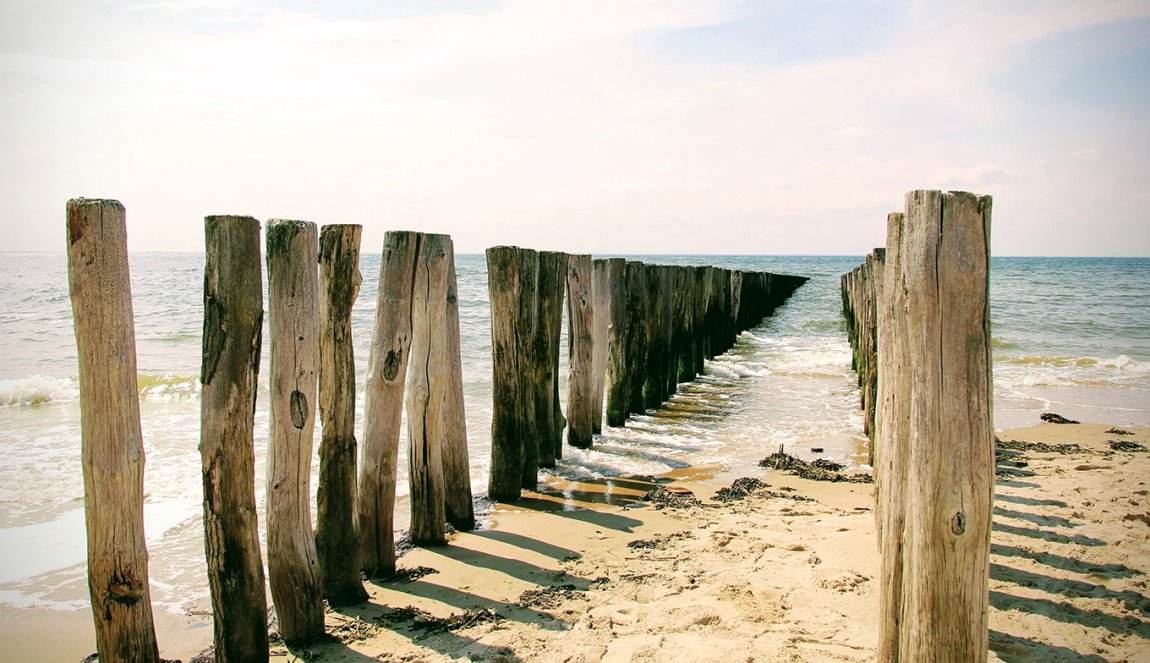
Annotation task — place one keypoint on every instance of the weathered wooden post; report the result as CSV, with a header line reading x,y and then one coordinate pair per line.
x,y
581,320
891,444
456,464
233,319
336,542
667,366
601,302
950,492
653,379
636,334
386,374
617,343
293,322
427,379
511,280
699,319
551,284
112,446
527,324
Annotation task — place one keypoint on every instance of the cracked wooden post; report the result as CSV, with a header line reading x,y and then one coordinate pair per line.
x,y
336,541
552,283
427,378
456,464
951,489
617,343
233,319
112,447
383,403
890,438
580,315
601,302
293,323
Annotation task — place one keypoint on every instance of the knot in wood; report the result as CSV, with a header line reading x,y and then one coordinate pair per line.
x,y
298,409
391,364
958,524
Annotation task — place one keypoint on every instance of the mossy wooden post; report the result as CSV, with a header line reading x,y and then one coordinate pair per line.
x,y
427,379
890,442
581,319
950,492
233,319
383,403
503,283
601,303
552,283
335,534
456,463
112,446
617,343
636,334
293,323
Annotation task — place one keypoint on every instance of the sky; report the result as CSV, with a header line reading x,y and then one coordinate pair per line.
x,y
605,126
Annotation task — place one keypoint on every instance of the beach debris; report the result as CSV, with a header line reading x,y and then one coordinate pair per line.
x,y
1040,447
812,471
645,544
1125,445
352,629
425,621
740,489
848,582
1056,418
816,450
548,597
411,574
824,464
671,497
1118,431
95,658
1141,517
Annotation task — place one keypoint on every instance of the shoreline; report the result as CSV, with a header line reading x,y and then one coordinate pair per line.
x,y
585,571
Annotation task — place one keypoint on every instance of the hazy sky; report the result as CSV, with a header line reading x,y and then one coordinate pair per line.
x,y
677,126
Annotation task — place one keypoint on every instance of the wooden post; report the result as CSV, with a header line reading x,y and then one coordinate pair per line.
x,y
667,365
601,302
636,334
552,283
699,319
527,323
504,283
580,316
335,537
653,380
386,373
111,443
890,442
233,319
427,380
617,343
950,491
456,464
293,303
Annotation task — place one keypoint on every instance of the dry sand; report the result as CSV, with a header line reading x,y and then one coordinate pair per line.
x,y
591,572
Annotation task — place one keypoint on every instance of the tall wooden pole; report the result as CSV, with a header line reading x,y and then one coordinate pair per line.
x,y
336,541
580,314
111,442
552,283
950,492
636,334
427,380
617,343
233,319
293,322
456,464
386,375
505,281
601,322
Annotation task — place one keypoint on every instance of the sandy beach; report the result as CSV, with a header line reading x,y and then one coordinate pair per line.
x,y
591,571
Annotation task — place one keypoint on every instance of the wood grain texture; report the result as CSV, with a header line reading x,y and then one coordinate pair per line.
x,y
601,304
233,319
581,319
616,378
552,284
293,323
456,464
112,447
336,539
503,283
386,377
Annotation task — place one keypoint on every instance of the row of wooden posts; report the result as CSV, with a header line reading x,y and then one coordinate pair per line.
x,y
635,331
919,321
656,325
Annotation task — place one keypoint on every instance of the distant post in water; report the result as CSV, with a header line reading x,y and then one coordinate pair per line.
x,y
233,319
293,303
950,492
111,442
383,405
426,390
335,537
601,302
580,313
617,343
456,465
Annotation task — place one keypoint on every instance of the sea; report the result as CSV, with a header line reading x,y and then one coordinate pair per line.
x,y
1070,335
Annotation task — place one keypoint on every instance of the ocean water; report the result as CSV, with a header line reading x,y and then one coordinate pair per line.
x,y
1069,335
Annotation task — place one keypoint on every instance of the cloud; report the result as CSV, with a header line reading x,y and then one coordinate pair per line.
x,y
852,132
